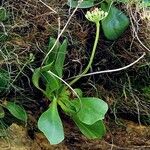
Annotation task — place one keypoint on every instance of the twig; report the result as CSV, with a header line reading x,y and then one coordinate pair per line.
x,y
113,70
48,6
4,29
134,30
135,100
125,148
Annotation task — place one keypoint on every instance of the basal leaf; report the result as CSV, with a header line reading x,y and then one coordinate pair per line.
x,y
115,23
84,4
16,111
38,73
53,54
96,130
50,124
52,83
92,109
59,62
35,79
46,67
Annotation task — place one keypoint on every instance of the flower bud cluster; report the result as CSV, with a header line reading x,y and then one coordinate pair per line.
x,y
96,15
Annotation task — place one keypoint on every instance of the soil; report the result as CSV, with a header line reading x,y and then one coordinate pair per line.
x,y
126,136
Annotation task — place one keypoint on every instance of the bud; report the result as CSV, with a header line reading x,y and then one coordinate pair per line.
x,y
96,15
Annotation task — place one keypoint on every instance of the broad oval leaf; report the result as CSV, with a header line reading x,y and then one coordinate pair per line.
x,y
84,4
96,130
115,23
92,109
51,125
145,3
16,111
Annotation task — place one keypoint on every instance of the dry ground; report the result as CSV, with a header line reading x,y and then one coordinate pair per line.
x,y
126,136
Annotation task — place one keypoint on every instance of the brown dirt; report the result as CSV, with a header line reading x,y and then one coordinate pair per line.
x,y
128,136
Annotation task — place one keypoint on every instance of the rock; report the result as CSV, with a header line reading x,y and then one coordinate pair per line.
x,y
16,139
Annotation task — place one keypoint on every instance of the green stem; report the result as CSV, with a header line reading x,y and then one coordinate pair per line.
x,y
92,55
65,108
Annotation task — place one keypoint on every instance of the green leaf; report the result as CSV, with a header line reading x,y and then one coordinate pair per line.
x,y
92,109
50,124
3,14
68,107
52,83
35,79
61,58
115,23
52,56
96,130
2,113
145,3
79,92
16,111
38,74
84,4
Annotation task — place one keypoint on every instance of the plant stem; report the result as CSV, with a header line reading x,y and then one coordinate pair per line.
x,y
92,55
65,108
